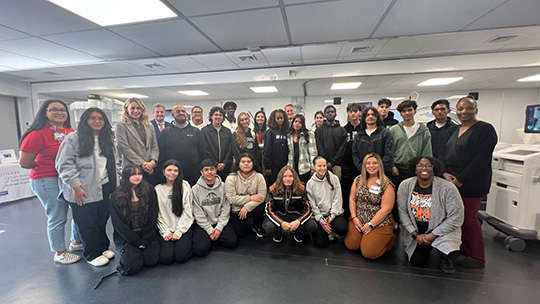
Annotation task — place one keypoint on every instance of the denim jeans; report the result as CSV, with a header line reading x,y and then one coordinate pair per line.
x,y
56,210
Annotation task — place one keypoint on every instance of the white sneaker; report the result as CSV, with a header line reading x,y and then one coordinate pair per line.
x,y
99,261
109,254
66,258
75,247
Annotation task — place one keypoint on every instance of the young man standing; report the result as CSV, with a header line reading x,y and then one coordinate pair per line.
x,y
197,117
230,121
331,141
289,110
349,171
411,139
440,128
211,210
383,106
218,142
159,122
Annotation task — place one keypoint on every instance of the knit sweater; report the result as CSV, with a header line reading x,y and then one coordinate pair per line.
x,y
239,189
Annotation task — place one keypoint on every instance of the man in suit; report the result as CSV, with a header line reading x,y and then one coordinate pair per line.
x,y
159,122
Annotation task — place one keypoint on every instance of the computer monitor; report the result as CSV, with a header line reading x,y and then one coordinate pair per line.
x,y
532,119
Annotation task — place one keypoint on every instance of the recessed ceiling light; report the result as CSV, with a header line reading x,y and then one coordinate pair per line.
x,y
345,86
329,101
396,98
530,78
439,81
131,95
193,93
270,89
455,96
113,12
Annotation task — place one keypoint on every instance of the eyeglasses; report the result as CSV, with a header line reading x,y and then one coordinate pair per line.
x,y
55,110
424,166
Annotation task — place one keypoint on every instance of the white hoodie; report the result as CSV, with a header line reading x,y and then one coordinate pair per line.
x,y
168,222
324,201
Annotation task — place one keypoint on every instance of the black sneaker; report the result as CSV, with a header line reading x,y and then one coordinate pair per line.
x,y
298,237
258,231
447,266
465,262
278,237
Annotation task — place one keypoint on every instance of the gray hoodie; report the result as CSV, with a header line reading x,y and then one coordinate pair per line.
x,y
210,205
324,201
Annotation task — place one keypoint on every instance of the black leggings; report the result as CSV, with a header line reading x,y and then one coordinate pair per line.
x,y
180,250
241,227
339,227
202,244
132,259
421,254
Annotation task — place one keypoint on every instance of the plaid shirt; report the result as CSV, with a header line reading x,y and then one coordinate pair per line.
x,y
308,151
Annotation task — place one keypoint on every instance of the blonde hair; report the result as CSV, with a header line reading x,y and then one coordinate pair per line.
x,y
241,140
383,179
143,119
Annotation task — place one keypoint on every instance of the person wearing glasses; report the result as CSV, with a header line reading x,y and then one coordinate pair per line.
x,y
197,117
431,210
39,146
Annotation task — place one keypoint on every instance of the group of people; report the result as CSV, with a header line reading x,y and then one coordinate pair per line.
x,y
187,185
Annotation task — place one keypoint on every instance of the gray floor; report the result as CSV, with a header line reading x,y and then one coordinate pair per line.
x,y
259,271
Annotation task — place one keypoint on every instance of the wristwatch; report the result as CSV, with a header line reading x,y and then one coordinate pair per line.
x,y
370,225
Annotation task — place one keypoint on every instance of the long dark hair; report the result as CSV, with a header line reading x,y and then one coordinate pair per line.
x,y
41,118
326,173
274,125
178,188
303,129
86,135
123,194
377,114
256,127
236,167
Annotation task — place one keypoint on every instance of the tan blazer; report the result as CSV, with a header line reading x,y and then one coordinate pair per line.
x,y
134,151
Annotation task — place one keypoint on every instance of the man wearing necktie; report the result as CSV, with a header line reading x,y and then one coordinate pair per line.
x,y
159,122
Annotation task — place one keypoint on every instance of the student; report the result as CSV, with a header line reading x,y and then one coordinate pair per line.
x,y
349,171
87,169
383,106
159,122
246,191
302,148
468,160
288,208
134,213
259,127
39,147
318,121
137,139
244,140
175,215
441,128
276,149
432,213
331,141
411,139
197,117
211,212
230,120
218,141
325,199
371,200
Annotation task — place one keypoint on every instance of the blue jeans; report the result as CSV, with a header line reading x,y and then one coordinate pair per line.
x,y
47,191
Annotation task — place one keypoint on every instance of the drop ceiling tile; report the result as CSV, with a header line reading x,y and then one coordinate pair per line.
x,y
184,63
218,61
235,31
102,43
167,38
7,34
344,20
41,18
434,16
283,56
106,69
195,8
16,61
44,50
318,53
525,12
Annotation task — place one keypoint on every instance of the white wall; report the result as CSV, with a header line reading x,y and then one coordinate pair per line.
x,y
8,133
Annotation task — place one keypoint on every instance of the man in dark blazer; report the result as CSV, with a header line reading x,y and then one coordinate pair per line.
x,y
159,122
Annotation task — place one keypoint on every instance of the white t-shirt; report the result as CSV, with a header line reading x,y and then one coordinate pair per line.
x,y
410,131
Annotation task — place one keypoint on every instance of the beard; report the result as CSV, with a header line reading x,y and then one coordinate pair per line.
x,y
180,121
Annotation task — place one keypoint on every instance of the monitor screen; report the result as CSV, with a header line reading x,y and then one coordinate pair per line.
x,y
532,119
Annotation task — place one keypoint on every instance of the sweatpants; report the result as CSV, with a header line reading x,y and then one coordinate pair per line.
x,y
202,244
180,250
241,227
372,245
339,227
133,259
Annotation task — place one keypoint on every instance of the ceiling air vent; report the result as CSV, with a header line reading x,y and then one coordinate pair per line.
x,y
153,65
502,38
361,49
247,58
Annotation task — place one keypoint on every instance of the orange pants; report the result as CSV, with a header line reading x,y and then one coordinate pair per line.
x,y
373,244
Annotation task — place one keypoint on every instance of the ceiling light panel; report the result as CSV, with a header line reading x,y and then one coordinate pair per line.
x,y
530,78
345,86
193,93
269,89
439,81
114,12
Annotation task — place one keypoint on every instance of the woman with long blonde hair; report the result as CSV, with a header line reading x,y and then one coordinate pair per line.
x,y
244,140
370,202
137,139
